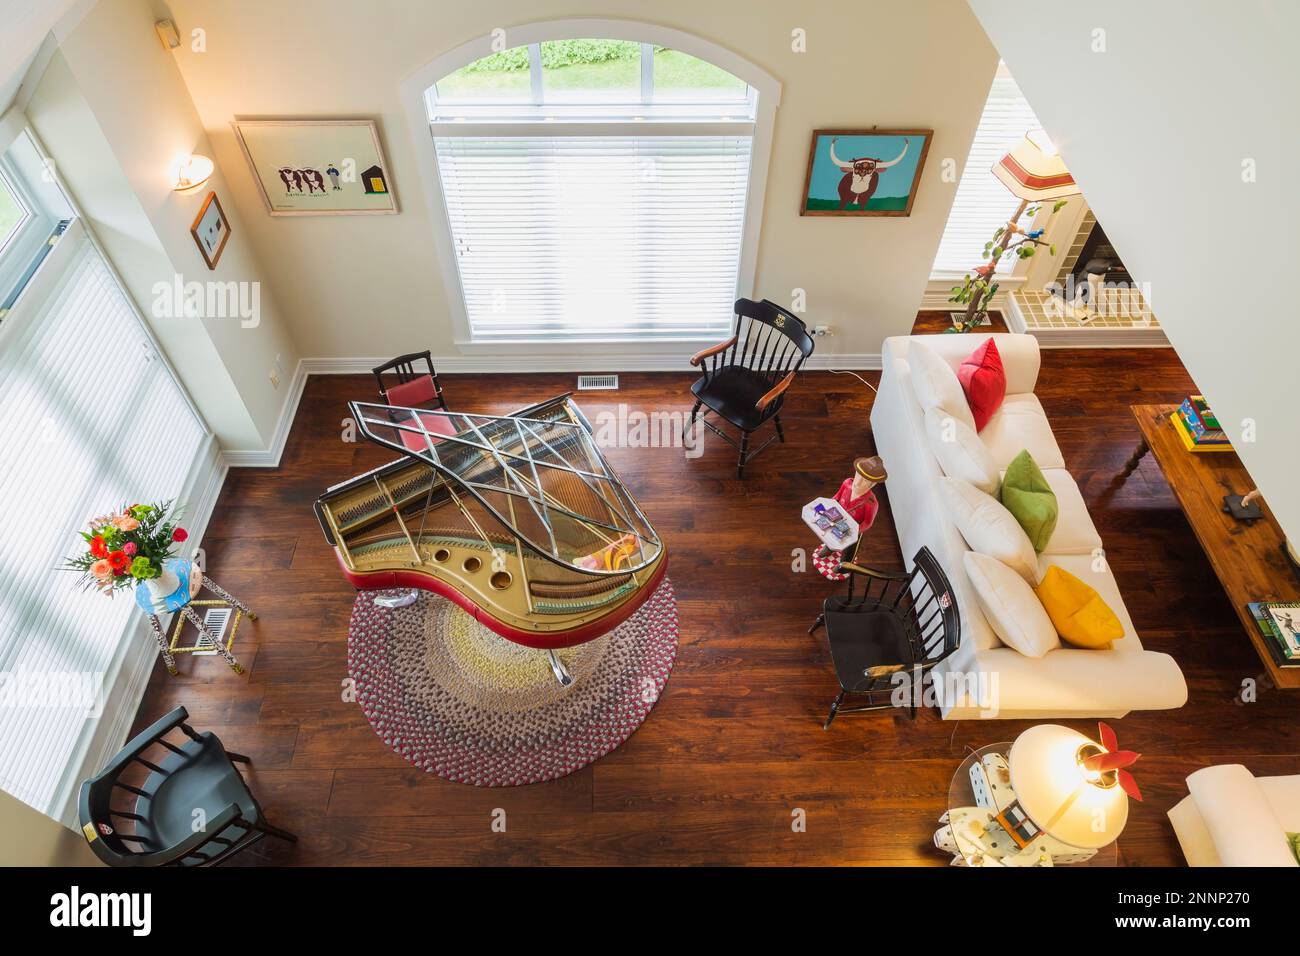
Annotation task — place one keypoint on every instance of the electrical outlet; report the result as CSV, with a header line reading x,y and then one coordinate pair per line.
x,y
821,330
275,378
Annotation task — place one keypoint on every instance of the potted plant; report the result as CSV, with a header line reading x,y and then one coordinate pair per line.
x,y
131,548
977,291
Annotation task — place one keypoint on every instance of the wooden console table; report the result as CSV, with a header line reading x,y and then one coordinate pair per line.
x,y
1247,558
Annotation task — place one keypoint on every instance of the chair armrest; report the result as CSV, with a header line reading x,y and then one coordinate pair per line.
x,y
849,567
171,854
775,393
142,741
700,356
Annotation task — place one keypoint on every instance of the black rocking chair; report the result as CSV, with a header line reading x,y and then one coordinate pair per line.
x,y
745,378
164,826
414,388
901,622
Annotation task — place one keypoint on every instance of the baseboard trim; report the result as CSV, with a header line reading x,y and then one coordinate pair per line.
x,y
270,457
593,363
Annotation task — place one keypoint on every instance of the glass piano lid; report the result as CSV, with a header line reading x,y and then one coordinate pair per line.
x,y
538,472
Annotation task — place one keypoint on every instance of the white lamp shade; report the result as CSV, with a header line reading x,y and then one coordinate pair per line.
x,y
1033,170
1074,805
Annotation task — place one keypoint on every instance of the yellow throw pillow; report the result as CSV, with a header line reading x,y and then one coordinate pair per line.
x,y
1077,611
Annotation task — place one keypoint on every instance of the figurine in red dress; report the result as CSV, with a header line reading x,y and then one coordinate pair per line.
x,y
855,495
859,502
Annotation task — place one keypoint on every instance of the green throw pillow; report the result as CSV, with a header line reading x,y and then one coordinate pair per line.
x,y
1294,840
1028,496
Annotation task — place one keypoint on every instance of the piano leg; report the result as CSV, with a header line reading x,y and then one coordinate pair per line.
x,y
559,670
399,600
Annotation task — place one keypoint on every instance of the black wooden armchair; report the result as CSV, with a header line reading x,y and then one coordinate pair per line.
x,y
745,378
192,809
901,622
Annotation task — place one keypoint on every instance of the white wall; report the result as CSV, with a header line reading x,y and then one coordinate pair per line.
x,y
370,286
1156,130
114,112
33,839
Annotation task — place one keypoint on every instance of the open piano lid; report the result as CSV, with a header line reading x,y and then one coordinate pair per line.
x,y
538,472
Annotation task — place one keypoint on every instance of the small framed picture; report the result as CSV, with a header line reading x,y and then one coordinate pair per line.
x,y
211,230
873,172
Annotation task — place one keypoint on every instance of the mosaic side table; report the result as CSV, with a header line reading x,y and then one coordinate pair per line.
x,y
182,602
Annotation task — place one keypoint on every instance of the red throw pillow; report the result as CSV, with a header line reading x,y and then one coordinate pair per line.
x,y
984,382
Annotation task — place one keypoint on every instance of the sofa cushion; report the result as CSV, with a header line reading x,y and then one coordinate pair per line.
x,y
988,527
1028,496
936,384
959,450
1078,612
1021,424
1010,606
984,381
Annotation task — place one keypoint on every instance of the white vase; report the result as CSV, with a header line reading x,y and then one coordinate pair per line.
x,y
162,586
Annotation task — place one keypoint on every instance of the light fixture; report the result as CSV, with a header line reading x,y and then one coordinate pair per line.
x,y
1074,789
1034,170
193,172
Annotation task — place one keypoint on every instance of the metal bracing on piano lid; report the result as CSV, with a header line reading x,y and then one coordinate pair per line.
x,y
538,473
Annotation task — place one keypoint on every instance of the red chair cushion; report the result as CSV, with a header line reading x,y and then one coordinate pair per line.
x,y
984,381
413,393
436,424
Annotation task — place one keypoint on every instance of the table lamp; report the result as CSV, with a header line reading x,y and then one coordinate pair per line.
x,y
1074,789
1034,172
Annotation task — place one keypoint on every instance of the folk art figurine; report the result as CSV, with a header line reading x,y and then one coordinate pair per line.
x,y
858,500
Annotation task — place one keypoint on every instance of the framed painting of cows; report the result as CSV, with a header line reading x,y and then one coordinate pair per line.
x,y
857,172
308,167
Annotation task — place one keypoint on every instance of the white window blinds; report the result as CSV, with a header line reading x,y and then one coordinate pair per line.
x,y
982,203
90,419
596,237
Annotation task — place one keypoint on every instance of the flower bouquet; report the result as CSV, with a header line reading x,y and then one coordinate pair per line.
x,y
129,548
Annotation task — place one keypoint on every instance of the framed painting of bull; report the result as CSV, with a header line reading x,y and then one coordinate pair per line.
x,y
854,172
317,167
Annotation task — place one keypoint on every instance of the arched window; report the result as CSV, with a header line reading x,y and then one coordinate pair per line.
x,y
596,187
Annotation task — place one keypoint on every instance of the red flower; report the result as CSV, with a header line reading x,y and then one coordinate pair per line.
x,y
180,534
97,547
118,561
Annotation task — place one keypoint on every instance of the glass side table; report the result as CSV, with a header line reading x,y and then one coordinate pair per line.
x,y
980,790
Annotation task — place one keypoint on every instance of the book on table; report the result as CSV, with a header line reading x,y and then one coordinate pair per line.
x,y
1201,422
1190,442
1279,623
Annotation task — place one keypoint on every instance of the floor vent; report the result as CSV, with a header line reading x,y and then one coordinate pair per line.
x,y
588,382
216,619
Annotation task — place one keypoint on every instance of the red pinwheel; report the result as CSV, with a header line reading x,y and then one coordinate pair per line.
x,y
1113,760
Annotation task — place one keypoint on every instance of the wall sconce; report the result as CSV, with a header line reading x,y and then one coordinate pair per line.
x,y
193,172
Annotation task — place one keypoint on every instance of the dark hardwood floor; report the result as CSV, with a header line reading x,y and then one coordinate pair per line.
x,y
735,745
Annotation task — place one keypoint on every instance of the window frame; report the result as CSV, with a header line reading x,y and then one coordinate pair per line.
x,y
762,101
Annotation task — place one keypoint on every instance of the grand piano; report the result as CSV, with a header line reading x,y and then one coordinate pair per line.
x,y
519,519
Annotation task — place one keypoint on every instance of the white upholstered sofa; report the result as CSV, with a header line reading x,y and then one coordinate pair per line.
x,y
1066,681
1232,818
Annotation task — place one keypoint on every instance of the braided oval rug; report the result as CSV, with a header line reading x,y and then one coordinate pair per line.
x,y
458,700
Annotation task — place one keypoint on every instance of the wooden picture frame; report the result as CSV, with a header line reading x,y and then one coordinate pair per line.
x,y
317,167
211,230
828,186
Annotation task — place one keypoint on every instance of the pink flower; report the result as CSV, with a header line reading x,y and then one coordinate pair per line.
x,y
129,548
125,523
102,570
